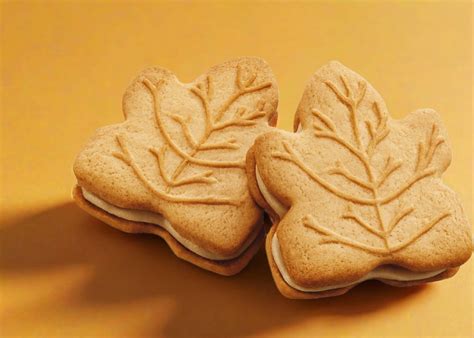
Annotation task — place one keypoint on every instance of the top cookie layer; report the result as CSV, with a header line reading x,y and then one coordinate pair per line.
x,y
362,189
181,150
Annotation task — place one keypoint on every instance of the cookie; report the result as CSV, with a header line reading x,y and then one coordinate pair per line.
x,y
175,167
354,194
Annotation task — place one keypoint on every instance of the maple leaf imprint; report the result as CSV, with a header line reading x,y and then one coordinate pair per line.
x,y
324,127
213,123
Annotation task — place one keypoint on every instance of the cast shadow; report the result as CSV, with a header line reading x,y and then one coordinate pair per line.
x,y
131,267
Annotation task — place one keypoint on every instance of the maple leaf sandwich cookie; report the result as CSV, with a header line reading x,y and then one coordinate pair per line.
x,y
356,195
176,166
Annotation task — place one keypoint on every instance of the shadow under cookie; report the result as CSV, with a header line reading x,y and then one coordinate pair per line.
x,y
127,270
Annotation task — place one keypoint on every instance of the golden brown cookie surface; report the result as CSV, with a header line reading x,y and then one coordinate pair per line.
x,y
180,153
362,190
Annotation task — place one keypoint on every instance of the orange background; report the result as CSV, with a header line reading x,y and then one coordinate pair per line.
x,y
64,68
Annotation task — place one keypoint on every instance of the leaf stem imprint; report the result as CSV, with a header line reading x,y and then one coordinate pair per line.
x,y
324,127
330,236
204,92
126,156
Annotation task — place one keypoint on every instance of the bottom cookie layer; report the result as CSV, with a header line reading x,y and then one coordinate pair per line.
x,y
223,267
290,292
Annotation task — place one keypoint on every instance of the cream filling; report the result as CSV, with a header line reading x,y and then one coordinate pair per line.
x,y
157,219
381,272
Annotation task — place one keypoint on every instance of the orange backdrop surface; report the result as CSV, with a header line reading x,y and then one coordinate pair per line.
x,y
64,67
